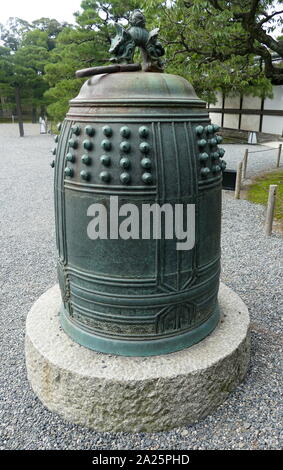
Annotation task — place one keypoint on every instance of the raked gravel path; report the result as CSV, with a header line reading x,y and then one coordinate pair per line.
x,y
251,264
260,158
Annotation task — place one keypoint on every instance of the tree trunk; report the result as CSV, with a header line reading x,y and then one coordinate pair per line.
x,y
19,111
34,114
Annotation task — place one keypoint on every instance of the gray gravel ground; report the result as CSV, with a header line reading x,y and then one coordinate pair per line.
x,y
252,265
260,158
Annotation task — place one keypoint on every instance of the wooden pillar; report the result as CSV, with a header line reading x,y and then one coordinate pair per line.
x,y
240,113
245,162
270,209
238,181
279,155
223,109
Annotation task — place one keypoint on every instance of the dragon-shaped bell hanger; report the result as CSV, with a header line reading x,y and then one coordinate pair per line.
x,y
123,47
136,35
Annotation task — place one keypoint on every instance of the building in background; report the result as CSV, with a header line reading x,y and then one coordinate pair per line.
x,y
250,113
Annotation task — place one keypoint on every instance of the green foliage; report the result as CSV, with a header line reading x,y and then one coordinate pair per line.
x,y
13,31
85,45
23,58
60,95
35,38
211,44
51,28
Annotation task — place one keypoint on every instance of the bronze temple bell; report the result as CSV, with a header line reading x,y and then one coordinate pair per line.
x,y
138,137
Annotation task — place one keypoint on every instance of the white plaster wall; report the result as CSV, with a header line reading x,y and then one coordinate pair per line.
x,y
232,102
218,103
250,122
272,124
231,121
215,118
251,102
277,101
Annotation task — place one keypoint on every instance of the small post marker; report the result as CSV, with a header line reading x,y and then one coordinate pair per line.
x,y
279,155
245,162
238,180
270,209
252,138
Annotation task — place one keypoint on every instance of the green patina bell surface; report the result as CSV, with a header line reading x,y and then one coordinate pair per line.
x,y
146,138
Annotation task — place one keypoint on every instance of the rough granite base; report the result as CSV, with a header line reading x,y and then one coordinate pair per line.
x,y
134,394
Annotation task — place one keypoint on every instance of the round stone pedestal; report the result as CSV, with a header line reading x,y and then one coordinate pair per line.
x,y
117,393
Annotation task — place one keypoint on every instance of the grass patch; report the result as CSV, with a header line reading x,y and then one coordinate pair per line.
x,y
258,191
9,121
234,140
